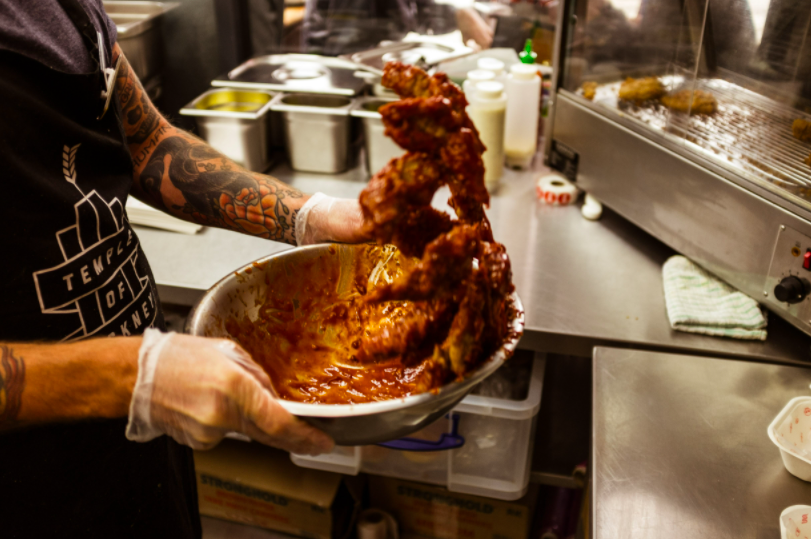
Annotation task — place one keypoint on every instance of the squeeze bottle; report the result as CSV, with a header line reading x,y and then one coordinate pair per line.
x,y
521,125
474,77
487,110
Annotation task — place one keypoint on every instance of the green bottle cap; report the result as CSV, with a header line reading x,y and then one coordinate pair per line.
x,y
527,56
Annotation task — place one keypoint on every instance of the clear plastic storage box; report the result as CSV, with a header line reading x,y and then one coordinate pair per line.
x,y
483,447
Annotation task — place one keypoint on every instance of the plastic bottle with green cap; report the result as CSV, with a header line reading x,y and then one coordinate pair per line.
x,y
527,56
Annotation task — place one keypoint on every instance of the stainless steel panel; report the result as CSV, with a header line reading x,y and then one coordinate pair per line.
x,y
138,26
720,225
380,149
790,249
680,450
317,131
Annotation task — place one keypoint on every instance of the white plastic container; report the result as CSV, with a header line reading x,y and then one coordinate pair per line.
x,y
487,110
796,464
786,512
493,461
523,91
474,77
493,65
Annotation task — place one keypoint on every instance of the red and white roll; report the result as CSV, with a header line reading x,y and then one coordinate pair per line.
x,y
556,190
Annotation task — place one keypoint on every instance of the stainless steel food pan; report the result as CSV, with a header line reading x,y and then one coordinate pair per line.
x,y
236,123
301,73
317,131
139,33
380,149
242,292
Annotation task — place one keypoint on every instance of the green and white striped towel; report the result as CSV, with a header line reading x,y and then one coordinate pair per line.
x,y
700,303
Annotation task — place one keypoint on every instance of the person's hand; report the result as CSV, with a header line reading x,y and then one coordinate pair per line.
x,y
474,27
198,389
324,218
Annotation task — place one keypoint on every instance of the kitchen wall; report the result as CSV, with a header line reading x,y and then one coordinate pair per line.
x,y
192,61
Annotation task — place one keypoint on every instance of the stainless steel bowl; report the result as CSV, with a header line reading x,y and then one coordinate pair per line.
x,y
242,292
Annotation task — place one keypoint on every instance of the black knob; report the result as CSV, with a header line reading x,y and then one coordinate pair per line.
x,y
791,290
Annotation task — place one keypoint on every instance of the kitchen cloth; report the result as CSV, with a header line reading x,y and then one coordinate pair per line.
x,y
698,302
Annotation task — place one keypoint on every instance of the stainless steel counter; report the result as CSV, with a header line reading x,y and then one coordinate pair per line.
x,y
680,450
582,283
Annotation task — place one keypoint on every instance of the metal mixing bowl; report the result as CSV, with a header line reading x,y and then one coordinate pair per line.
x,y
243,291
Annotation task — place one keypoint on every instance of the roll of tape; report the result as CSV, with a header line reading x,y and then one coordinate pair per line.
x,y
377,524
556,191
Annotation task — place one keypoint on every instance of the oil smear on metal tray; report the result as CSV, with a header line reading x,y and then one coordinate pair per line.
x,y
309,328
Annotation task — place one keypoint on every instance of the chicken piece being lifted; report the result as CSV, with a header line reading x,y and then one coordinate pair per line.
x,y
447,262
698,102
639,90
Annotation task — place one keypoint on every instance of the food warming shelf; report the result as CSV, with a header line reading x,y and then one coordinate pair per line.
x,y
749,134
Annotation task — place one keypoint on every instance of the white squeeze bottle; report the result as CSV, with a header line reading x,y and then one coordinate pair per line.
x,y
474,77
487,110
493,65
523,104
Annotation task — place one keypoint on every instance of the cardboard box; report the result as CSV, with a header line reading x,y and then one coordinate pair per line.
x,y
435,512
258,485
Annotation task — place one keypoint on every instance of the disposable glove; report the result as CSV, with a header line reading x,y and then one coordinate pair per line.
x,y
324,218
198,389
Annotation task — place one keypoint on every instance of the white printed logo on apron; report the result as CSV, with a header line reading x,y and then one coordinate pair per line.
x,y
99,283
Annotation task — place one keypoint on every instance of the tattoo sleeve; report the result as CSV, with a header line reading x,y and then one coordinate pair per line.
x,y
12,383
181,174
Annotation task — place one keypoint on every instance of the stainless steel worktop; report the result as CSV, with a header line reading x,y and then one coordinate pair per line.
x,y
680,450
582,283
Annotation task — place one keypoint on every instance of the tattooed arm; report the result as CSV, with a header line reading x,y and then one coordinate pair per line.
x,y
45,383
178,173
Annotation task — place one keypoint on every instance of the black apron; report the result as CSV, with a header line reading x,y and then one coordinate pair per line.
x,y
72,268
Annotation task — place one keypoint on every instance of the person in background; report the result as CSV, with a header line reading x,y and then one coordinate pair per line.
x,y
99,408
334,27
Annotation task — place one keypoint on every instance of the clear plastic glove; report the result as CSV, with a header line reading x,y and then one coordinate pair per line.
x,y
474,27
197,390
324,218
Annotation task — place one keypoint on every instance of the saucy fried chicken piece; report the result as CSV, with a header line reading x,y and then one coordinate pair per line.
x,y
421,124
410,337
417,228
468,192
801,129
405,182
589,90
698,102
639,90
446,263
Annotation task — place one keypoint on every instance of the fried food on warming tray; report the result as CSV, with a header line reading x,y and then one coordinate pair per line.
x,y
639,90
801,129
701,103
425,121
589,90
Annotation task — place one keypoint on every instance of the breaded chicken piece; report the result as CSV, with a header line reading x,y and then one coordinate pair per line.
x,y
801,129
589,90
639,90
702,103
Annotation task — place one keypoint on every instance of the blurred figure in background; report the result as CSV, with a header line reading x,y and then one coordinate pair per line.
x,y
333,27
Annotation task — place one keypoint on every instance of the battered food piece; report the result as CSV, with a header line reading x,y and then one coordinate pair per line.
x,y
589,90
639,90
702,102
801,129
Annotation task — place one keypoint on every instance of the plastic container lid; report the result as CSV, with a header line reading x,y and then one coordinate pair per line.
x,y
489,89
478,75
523,71
491,64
